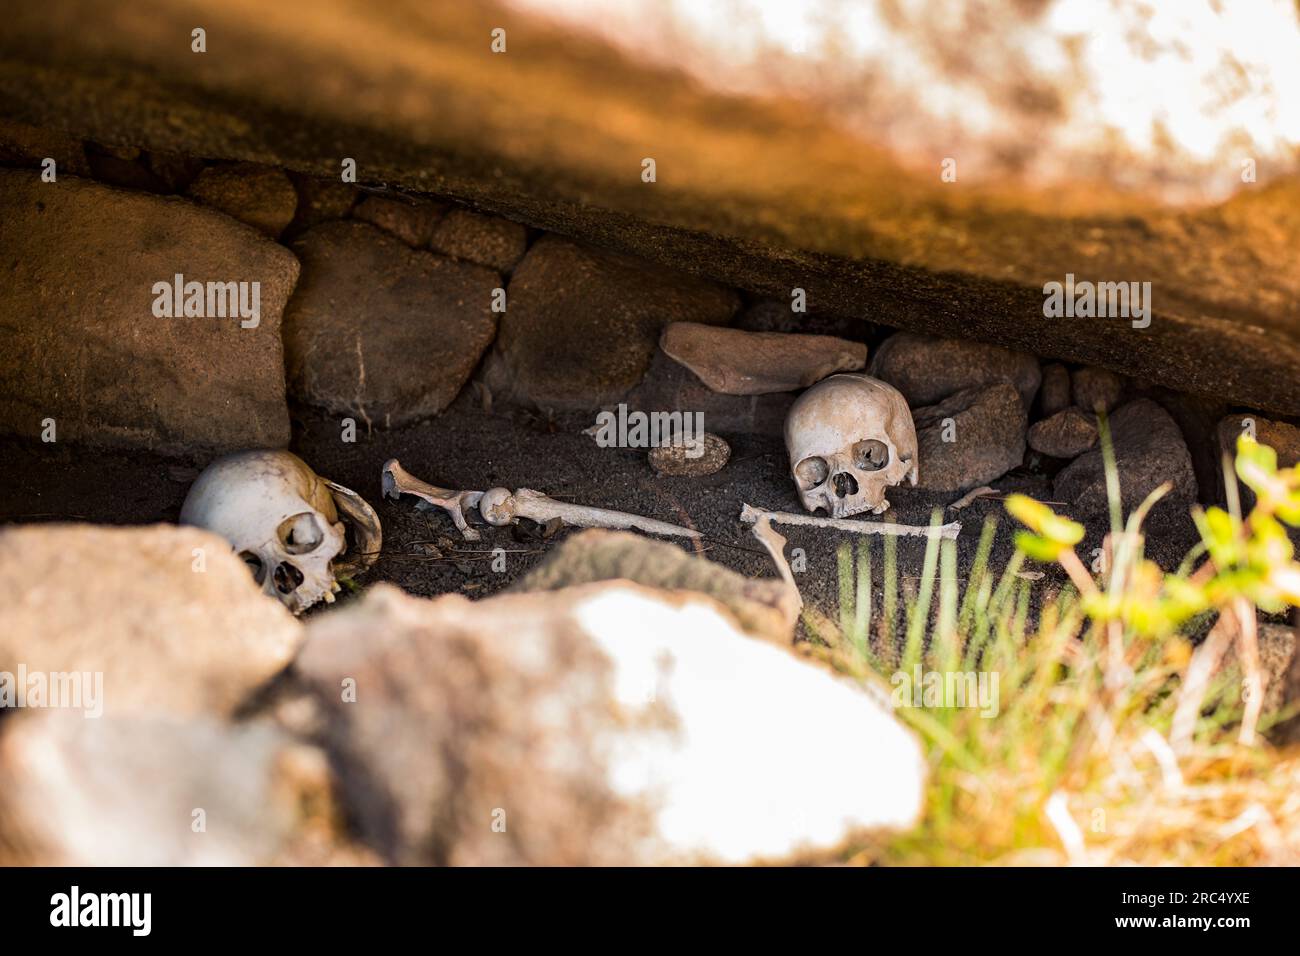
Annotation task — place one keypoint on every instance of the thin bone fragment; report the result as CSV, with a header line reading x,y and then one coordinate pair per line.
x,y
970,497
774,542
501,506
749,514
397,481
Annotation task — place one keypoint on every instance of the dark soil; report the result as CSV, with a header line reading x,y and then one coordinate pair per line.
x,y
468,448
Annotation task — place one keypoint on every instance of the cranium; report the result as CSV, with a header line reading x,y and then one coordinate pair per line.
x,y
283,520
850,437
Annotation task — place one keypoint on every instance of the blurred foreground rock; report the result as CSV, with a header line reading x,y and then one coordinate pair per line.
x,y
142,791
169,617
607,723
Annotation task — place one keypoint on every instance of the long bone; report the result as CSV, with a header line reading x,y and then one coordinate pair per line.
x,y
750,515
500,506
397,481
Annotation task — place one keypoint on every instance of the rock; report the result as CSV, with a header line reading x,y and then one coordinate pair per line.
x,y
1054,394
582,324
379,331
693,459
736,362
131,791
487,240
1066,434
321,200
82,345
927,370
124,167
761,606
671,387
1096,388
29,146
586,723
971,437
412,222
1149,450
260,196
170,617
175,170
1281,437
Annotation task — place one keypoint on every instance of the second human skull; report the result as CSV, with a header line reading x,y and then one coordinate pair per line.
x,y
850,437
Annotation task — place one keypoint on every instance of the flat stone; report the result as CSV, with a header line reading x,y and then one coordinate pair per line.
x,y
736,362
608,723
671,387
83,347
487,240
169,616
1096,388
260,196
927,370
582,324
131,791
1054,394
1149,450
411,221
379,331
970,438
706,455
1067,434
762,606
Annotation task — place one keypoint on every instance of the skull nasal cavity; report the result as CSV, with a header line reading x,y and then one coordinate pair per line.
x,y
844,484
287,578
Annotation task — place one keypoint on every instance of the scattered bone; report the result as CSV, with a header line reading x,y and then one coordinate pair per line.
x,y
971,497
397,481
774,542
749,514
500,506
850,438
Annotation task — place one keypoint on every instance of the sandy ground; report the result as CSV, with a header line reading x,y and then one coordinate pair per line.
x,y
469,448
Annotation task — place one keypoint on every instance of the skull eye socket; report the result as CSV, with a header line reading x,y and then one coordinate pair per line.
x,y
301,534
870,455
811,472
255,565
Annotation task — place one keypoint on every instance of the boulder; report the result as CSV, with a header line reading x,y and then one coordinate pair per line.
x,y
411,221
142,791
382,332
1149,450
260,196
29,146
487,240
84,347
970,438
927,370
761,606
1054,394
321,200
602,724
1280,436
1096,389
147,620
582,324
736,362
671,387
1067,434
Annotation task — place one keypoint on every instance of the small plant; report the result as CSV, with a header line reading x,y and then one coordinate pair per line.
x,y
1113,740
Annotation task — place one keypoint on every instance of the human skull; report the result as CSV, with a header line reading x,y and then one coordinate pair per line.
x,y
283,520
850,437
